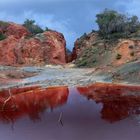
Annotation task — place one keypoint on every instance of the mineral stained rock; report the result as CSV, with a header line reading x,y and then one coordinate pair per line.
x,y
90,50
20,48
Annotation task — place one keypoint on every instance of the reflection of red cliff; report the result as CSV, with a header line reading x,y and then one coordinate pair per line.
x,y
119,101
30,101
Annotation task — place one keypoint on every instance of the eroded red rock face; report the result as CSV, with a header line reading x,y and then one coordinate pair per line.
x,y
30,101
91,50
46,48
119,101
16,30
83,42
129,51
13,29
57,44
19,49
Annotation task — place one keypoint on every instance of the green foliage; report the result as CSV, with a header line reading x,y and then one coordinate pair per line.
x,y
113,24
133,25
2,36
82,63
46,29
84,34
3,25
118,56
32,27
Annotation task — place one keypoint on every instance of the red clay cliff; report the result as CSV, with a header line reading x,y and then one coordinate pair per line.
x,y
20,48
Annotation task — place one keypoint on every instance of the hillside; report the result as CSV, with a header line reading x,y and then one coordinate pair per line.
x,y
109,56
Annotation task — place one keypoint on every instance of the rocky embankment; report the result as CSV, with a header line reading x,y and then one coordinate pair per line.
x,y
92,51
119,58
47,76
18,47
59,76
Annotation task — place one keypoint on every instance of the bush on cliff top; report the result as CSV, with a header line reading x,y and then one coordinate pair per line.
x,y
32,27
3,25
116,25
2,36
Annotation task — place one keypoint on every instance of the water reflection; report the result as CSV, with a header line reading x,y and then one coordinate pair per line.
x,y
30,101
119,101
81,117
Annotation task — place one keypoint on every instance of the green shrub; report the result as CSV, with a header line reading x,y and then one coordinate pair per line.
x,y
94,61
118,56
116,35
46,29
32,27
2,36
111,23
3,25
82,63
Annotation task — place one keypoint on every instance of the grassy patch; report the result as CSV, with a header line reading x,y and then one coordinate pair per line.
x,y
2,36
118,56
3,24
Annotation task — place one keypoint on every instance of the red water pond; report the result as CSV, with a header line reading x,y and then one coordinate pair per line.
x,y
96,112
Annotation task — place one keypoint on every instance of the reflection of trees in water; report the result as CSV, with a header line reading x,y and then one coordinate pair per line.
x,y
120,108
119,101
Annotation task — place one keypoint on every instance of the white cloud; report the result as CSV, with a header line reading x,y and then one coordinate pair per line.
x,y
55,14
45,20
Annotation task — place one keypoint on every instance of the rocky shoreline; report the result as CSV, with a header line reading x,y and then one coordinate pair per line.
x,y
48,76
54,76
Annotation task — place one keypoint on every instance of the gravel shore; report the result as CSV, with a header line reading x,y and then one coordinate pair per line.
x,y
58,76
52,76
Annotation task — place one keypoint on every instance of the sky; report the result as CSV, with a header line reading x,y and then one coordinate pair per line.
x,y
71,17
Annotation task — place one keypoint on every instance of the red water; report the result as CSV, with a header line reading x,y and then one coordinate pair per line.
x,y
70,114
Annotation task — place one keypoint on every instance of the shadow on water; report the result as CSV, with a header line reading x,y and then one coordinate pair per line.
x,y
60,113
